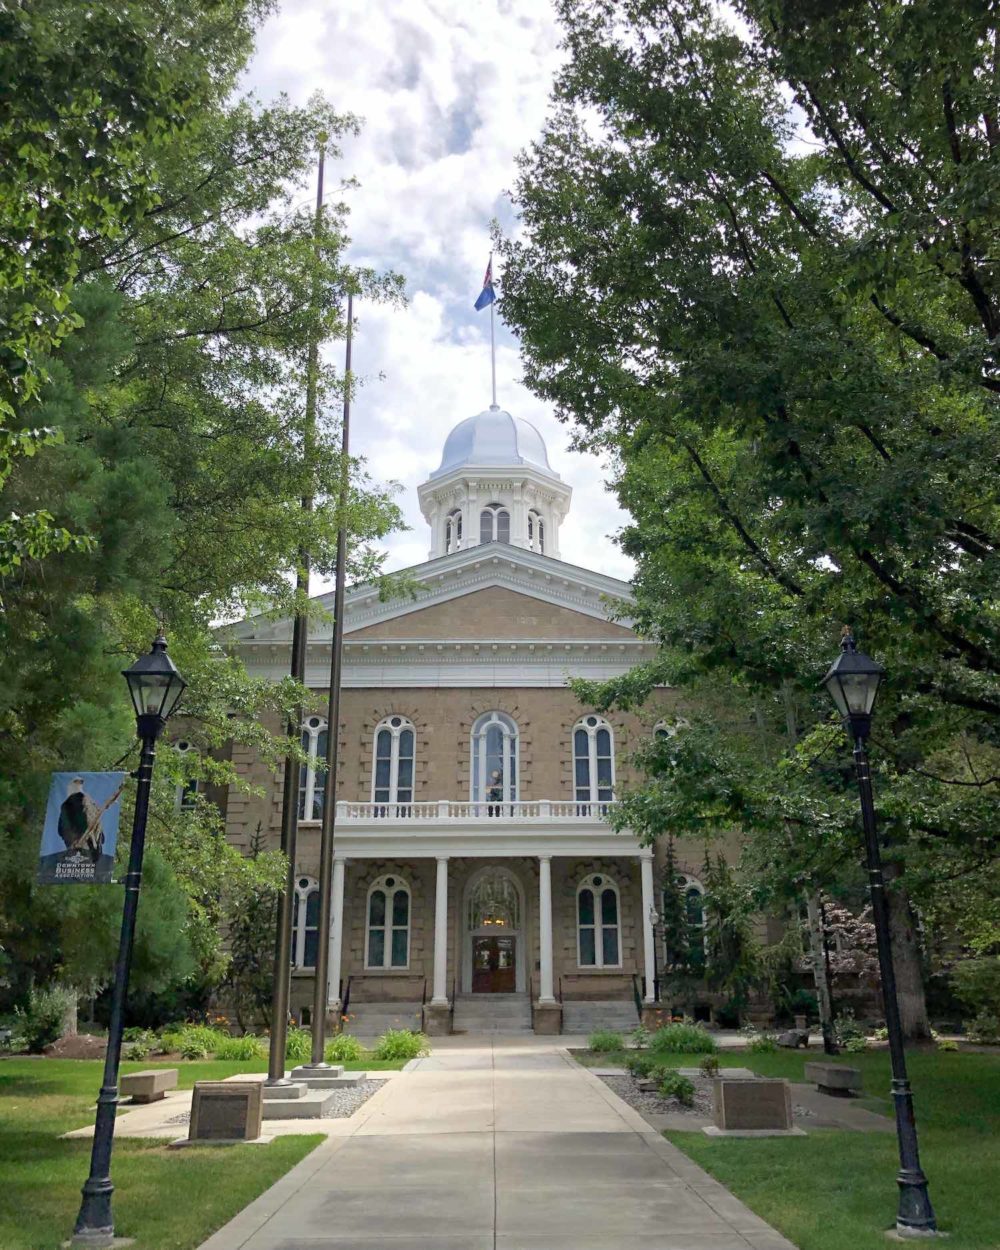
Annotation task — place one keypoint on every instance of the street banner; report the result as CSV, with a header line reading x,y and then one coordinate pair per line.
x,y
81,829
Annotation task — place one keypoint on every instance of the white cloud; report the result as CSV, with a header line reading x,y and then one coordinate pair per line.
x,y
450,91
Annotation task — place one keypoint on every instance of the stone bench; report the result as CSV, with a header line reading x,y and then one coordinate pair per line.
x,y
835,1079
149,1086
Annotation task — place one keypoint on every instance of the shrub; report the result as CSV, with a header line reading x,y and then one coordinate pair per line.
x,y
298,1046
640,1065
140,1042
977,984
709,1065
171,1039
401,1044
343,1049
673,1085
855,1045
246,1047
41,1021
881,1034
604,1041
762,1044
847,1030
195,1041
639,1037
985,1029
947,1044
684,1039
803,1003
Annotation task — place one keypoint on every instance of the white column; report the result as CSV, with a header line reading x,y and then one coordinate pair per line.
x,y
545,929
336,932
648,936
440,995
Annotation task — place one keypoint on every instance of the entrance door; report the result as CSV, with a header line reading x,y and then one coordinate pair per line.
x,y
493,965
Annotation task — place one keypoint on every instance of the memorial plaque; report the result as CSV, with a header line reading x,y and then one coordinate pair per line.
x,y
225,1111
756,1104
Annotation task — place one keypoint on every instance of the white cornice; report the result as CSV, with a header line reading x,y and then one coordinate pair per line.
x,y
372,663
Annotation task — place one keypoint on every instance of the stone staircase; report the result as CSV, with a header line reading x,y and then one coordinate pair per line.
x,y
372,1019
583,1017
492,1013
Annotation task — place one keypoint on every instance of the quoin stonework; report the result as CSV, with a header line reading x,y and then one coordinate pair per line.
x,y
477,882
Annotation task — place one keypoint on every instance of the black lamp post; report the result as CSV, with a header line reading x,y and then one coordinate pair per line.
x,y
654,920
853,683
156,687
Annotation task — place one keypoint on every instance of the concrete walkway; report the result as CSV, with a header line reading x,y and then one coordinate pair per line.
x,y
496,1144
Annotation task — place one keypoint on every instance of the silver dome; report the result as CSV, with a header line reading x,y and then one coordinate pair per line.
x,y
493,437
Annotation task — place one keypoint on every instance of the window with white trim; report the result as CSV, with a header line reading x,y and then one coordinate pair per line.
x,y
392,766
593,761
305,923
494,524
536,531
453,530
186,791
494,761
312,774
387,940
598,926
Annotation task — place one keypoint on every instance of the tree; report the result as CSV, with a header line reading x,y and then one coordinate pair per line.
x,y
250,942
781,326
178,458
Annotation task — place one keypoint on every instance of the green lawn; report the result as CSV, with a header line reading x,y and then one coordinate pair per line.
x,y
165,1199
837,1191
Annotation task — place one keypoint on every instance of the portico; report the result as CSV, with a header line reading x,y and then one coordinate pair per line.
x,y
480,914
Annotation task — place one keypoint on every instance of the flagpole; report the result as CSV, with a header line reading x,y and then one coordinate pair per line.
x,y
493,355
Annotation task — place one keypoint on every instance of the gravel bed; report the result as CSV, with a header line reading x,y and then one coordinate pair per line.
x,y
641,1100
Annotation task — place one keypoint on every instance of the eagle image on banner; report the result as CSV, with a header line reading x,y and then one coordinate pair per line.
x,y
81,828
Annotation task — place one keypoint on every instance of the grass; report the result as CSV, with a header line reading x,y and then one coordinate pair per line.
x,y
165,1199
837,1190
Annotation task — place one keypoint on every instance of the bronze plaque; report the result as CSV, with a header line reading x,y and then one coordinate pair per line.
x,y
225,1111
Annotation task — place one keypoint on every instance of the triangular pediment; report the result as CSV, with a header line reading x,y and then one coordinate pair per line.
x,y
495,591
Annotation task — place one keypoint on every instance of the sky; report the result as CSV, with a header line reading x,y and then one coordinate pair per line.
x,y
449,92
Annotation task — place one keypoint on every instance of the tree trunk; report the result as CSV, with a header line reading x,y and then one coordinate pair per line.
x,y
817,957
907,957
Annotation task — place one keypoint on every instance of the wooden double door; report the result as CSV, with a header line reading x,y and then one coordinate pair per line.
x,y
494,965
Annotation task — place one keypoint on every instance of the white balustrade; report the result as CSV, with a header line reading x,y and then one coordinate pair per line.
x,y
544,811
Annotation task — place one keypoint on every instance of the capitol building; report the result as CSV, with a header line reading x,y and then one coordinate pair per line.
x,y
476,884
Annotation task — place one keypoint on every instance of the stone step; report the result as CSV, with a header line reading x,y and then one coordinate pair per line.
x,y
284,1093
492,1013
372,1019
587,1017
327,1078
312,1106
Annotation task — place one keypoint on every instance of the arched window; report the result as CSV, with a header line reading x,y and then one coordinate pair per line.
x,y
387,944
392,770
694,907
186,791
536,531
598,926
593,761
453,531
494,524
494,903
305,923
494,761
312,774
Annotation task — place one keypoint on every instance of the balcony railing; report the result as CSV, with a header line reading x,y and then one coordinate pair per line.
x,y
439,810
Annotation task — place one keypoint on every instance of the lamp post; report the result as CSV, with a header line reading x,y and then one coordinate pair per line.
x,y
853,683
156,688
654,920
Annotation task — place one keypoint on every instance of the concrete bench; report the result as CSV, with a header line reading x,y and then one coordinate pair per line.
x,y
149,1086
834,1078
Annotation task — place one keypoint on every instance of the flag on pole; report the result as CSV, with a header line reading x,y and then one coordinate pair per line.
x,y
487,295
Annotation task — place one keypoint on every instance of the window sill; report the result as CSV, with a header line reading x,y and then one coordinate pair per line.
x,y
390,972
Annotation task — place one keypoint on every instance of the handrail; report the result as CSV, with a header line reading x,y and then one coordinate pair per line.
x,y
560,990
423,997
637,994
347,998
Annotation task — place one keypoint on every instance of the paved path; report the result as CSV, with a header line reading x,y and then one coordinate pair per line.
x,y
496,1144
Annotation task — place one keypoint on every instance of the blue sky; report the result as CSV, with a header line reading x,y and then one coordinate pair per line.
x,y
450,91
